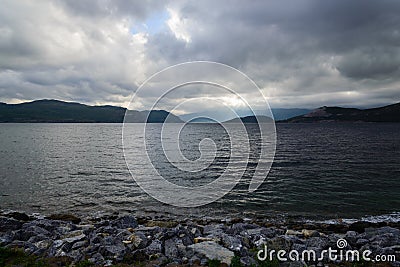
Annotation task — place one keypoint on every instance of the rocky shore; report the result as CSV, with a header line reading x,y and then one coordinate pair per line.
x,y
144,241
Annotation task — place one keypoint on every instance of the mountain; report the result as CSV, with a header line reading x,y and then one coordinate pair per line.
x,y
390,113
286,113
60,111
278,113
202,120
251,119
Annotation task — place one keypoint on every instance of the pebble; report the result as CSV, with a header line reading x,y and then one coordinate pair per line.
x,y
106,241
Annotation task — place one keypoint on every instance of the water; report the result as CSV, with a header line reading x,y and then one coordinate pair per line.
x,y
320,171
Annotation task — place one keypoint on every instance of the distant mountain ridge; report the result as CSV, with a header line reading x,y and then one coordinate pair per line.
x,y
278,113
251,119
60,111
390,113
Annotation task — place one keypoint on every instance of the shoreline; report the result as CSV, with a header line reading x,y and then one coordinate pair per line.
x,y
126,240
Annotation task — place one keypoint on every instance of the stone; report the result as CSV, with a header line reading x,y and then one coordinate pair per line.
x,y
26,233
212,251
6,238
8,224
187,240
317,242
138,240
293,232
214,230
351,237
125,222
79,244
19,216
361,242
74,236
385,240
164,224
171,250
279,242
115,251
43,244
97,259
231,242
388,230
46,224
154,247
310,233
359,227
248,261
76,255
203,239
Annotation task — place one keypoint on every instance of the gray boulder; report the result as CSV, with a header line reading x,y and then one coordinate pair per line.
x,y
213,251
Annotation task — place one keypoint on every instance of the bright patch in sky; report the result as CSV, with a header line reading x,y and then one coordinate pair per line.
x,y
153,25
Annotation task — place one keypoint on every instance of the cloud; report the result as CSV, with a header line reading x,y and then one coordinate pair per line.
x,y
302,54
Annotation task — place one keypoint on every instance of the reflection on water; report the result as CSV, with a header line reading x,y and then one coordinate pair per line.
x,y
319,171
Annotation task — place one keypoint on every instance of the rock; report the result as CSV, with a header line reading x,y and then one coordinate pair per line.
x,y
171,250
163,224
26,233
6,238
361,242
19,216
86,228
271,232
116,251
59,248
385,240
248,261
388,230
203,239
237,228
310,233
138,255
187,240
299,247
212,250
138,240
231,242
76,255
125,222
359,227
74,236
97,259
65,217
43,244
79,244
293,232
317,242
46,224
155,247
351,237
334,228
279,242
214,230
8,224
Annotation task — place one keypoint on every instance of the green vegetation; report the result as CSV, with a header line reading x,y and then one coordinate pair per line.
x,y
214,263
12,257
235,262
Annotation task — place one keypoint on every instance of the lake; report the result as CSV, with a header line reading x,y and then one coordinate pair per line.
x,y
320,171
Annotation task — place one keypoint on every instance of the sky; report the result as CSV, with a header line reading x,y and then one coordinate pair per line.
x,y
303,53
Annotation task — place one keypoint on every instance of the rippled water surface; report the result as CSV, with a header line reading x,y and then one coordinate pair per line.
x,y
320,171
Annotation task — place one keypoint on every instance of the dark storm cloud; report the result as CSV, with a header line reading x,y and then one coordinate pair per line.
x,y
302,53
